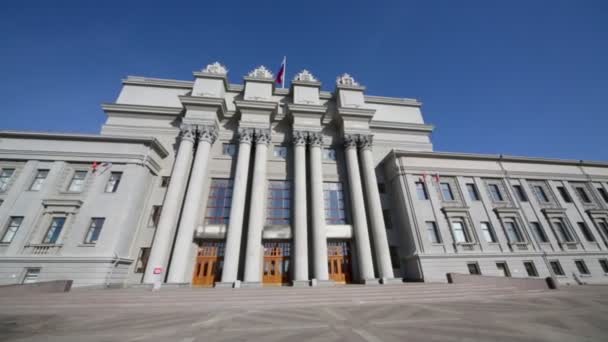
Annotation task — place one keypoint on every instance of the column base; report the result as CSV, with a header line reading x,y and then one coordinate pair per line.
x,y
251,284
300,283
391,281
176,285
228,284
372,281
321,283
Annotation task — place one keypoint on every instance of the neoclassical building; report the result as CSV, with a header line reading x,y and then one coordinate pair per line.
x,y
207,183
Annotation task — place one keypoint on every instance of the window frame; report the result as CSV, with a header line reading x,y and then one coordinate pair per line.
x,y
473,193
604,265
283,186
516,230
582,194
489,230
88,237
520,193
432,226
50,232
556,268
112,184
476,269
73,181
140,258
541,194
581,267
229,149
446,187
565,235
5,181
534,272
26,273
495,195
342,215
154,217
564,193
38,182
9,224
507,271
226,187
603,193
165,181
587,234
538,228
421,191
465,232
329,153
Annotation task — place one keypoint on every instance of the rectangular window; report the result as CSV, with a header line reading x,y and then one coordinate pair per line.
x,y
520,193
164,181
488,232
1,202
94,230
52,234
77,182
113,182
541,194
386,213
557,268
604,265
495,192
581,266
563,231
586,232
39,180
335,210
219,202
564,193
394,257
31,275
421,191
329,154
530,269
460,233
432,232
503,269
154,216
513,232
473,268
278,211
5,178
11,230
229,150
142,260
539,232
381,188
603,193
473,192
280,152
583,194
446,192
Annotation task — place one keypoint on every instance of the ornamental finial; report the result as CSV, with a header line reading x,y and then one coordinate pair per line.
x,y
346,80
261,72
305,76
216,68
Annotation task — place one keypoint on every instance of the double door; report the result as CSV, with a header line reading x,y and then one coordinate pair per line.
x,y
339,261
209,263
276,262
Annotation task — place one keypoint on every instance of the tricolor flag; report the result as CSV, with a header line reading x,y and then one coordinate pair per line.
x,y
437,179
281,74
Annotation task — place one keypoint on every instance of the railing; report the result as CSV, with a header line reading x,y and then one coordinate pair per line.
x,y
42,249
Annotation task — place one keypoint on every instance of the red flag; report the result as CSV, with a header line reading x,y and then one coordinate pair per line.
x,y
281,74
94,166
436,177
423,177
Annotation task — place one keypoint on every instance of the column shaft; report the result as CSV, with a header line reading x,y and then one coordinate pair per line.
x,y
319,234
300,224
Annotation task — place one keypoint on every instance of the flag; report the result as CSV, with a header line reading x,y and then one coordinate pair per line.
x,y
436,178
281,74
105,166
422,178
94,166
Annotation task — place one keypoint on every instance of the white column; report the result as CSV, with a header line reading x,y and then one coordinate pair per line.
x,y
366,265
300,235
319,234
190,213
235,224
383,256
253,258
171,205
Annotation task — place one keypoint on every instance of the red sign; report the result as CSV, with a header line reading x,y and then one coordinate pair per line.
x,y
158,270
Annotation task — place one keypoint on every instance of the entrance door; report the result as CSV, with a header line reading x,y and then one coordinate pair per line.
x,y
338,261
209,263
276,262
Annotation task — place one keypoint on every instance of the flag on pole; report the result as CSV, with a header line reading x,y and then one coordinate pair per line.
x,y
422,178
94,166
281,74
437,179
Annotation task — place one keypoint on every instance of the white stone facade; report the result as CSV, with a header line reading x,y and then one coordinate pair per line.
x,y
167,141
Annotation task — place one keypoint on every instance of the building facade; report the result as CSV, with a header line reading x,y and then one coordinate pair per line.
x,y
207,183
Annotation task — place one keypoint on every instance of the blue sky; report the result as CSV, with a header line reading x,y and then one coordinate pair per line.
x,y
513,77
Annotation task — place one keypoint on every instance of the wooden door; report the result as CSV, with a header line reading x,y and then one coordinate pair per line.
x,y
209,263
338,261
276,262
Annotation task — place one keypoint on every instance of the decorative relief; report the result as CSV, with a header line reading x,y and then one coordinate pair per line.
x,y
245,135
216,68
346,80
207,133
261,72
315,139
305,76
299,138
365,141
350,140
188,132
262,136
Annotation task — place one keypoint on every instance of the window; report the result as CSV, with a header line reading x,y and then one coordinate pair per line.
x,y
495,192
530,269
564,193
13,225
583,194
329,154
113,182
540,194
421,191
603,193
460,233
52,235
473,268
446,192
381,188
5,178
539,232
604,265
155,216
386,213
581,266
77,182
563,232
432,232
31,275
513,232
229,150
164,181
219,202
94,230
520,193
586,232
557,268
503,269
394,256
472,192
603,228
1,201
279,203
333,195
39,180
142,260
280,152
488,232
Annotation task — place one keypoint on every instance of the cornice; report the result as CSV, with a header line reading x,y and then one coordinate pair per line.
x,y
141,109
58,202
157,82
295,109
400,126
217,102
358,113
392,101
258,105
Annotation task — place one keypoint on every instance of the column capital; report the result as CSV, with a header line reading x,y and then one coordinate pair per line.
x,y
299,138
366,141
350,140
188,132
315,139
245,135
262,136
207,133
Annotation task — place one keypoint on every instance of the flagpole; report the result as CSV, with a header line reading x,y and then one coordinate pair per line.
x,y
284,71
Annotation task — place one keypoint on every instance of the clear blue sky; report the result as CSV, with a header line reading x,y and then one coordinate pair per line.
x,y
513,77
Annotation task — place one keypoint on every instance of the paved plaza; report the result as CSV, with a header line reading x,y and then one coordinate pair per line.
x,y
417,312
